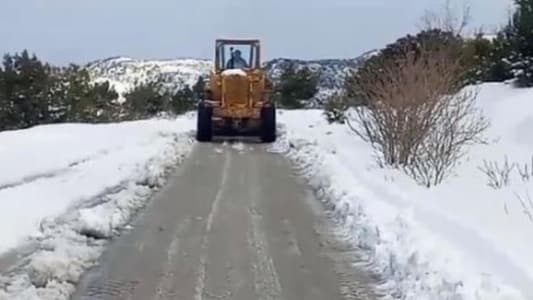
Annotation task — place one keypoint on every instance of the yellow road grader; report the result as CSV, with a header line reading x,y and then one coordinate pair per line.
x,y
238,92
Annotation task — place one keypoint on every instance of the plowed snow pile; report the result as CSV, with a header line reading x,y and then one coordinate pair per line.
x,y
65,189
460,240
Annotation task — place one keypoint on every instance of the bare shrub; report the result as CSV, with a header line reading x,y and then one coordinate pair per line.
x,y
447,19
418,116
526,170
527,205
456,126
498,175
335,108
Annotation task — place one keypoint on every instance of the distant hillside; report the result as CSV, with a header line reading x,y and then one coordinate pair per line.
x,y
125,73
332,71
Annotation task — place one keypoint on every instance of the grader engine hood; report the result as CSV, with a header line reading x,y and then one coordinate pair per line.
x,y
235,88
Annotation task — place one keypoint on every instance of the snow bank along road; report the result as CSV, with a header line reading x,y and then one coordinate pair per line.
x,y
66,189
232,223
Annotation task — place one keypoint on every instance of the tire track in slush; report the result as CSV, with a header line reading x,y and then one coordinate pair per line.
x,y
244,234
202,272
354,278
266,279
166,283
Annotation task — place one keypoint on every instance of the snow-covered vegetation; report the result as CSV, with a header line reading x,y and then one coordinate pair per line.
x,y
467,238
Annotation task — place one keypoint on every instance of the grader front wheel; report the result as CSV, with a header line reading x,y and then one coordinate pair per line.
x,y
268,124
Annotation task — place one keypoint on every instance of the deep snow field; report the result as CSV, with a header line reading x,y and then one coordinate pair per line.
x,y
65,188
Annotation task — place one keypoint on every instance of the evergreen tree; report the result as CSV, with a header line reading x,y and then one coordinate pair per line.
x,y
146,100
104,96
512,51
4,101
295,86
71,91
183,100
478,53
83,101
25,94
33,93
520,32
199,89
499,68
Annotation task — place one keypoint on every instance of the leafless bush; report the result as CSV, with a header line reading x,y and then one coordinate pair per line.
x,y
448,19
419,118
498,175
526,170
335,108
527,205
455,127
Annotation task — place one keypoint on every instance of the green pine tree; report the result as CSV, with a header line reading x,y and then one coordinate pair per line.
x,y
33,92
4,100
499,67
295,86
199,89
522,28
25,87
146,100
515,45
84,101
183,100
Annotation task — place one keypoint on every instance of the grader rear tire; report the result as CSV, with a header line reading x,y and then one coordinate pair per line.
x,y
204,125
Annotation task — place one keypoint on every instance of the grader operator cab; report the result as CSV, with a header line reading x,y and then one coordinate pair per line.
x,y
237,98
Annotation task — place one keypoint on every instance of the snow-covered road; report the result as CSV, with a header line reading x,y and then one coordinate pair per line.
x,y
65,188
245,232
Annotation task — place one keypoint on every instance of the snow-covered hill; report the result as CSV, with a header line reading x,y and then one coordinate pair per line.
x,y
332,71
125,73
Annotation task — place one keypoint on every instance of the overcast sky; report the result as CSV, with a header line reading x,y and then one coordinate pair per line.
x,y
63,31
